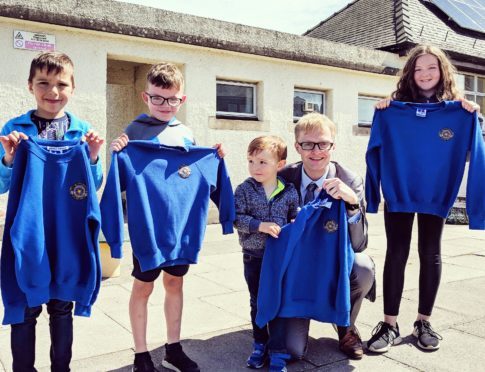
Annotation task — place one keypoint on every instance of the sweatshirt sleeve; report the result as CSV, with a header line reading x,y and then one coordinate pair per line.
x,y
372,157
475,193
243,221
223,197
112,222
97,172
5,172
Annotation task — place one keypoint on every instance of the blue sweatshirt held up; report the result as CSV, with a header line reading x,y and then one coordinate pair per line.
x,y
167,193
50,243
418,153
24,124
306,271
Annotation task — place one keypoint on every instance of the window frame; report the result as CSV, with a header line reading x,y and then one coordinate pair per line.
x,y
239,115
474,93
312,91
365,124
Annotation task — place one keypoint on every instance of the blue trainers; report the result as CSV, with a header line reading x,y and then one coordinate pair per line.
x,y
277,362
258,357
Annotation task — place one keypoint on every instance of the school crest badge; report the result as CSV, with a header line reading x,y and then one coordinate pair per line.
x,y
78,191
331,226
446,134
184,171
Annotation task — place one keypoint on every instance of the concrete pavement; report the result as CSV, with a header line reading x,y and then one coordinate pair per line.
x,y
216,326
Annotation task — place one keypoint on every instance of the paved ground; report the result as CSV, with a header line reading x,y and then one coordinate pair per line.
x,y
216,315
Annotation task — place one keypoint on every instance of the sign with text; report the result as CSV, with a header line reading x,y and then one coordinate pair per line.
x,y
34,41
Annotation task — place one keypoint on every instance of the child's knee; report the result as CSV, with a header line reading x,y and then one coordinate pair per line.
x,y
173,284
142,289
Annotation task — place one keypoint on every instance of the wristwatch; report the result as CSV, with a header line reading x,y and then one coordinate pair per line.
x,y
352,207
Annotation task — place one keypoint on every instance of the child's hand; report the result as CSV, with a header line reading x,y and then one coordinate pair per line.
x,y
221,151
10,143
270,228
383,104
119,143
94,142
470,106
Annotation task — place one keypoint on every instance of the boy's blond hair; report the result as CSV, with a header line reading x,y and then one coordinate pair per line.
x,y
314,122
165,75
272,144
52,61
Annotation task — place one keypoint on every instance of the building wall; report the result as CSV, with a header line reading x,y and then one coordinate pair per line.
x,y
109,74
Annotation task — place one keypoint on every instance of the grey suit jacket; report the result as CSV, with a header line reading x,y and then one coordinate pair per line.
x,y
358,232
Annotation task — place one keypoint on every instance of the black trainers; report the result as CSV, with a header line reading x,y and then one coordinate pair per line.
x,y
383,337
177,360
428,339
143,363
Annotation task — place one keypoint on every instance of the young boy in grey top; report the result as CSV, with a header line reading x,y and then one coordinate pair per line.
x,y
264,203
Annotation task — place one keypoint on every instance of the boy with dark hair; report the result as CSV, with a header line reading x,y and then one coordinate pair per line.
x,y
164,95
51,81
264,203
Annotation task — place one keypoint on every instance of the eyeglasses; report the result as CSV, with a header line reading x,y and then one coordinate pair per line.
x,y
311,145
159,100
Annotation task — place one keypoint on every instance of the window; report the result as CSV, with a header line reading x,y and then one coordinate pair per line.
x,y
475,90
235,99
306,101
366,110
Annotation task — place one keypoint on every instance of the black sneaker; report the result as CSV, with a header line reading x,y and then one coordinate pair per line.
x,y
428,339
383,337
143,363
177,360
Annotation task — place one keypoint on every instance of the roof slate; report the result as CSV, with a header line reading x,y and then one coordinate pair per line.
x,y
397,25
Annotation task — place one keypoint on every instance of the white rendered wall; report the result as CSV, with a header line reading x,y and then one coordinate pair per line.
x,y
276,81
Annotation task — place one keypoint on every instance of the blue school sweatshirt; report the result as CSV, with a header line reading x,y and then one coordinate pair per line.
x,y
50,242
306,270
417,152
167,194
24,124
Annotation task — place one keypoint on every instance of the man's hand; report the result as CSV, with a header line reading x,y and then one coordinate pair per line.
x,y
119,143
94,142
270,228
10,143
339,190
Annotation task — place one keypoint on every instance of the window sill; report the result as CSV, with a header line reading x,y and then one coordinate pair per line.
x,y
361,130
225,123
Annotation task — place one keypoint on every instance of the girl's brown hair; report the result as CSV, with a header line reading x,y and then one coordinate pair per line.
x,y
407,89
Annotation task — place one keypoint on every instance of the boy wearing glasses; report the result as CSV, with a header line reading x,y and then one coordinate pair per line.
x,y
315,142
164,94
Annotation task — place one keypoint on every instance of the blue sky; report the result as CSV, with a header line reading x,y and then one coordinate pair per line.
x,y
293,16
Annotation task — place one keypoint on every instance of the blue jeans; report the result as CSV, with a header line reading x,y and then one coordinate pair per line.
x,y
22,337
252,273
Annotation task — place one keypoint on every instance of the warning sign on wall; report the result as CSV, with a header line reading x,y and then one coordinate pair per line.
x,y
34,41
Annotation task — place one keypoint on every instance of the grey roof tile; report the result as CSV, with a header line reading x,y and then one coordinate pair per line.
x,y
398,24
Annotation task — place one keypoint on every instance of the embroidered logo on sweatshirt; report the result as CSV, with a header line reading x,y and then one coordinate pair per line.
x,y
78,191
446,134
331,226
184,171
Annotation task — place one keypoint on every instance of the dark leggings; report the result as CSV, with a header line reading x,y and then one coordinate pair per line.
x,y
23,337
398,232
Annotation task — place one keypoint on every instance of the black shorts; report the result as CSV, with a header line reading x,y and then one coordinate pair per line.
x,y
152,275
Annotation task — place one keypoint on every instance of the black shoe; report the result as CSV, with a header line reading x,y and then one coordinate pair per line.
x,y
177,360
143,363
383,337
428,339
